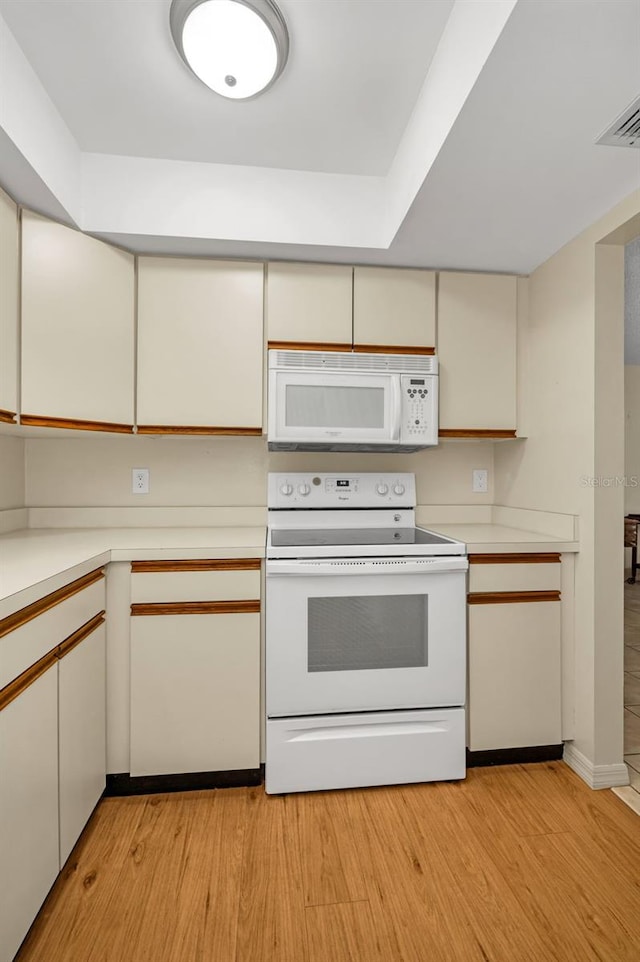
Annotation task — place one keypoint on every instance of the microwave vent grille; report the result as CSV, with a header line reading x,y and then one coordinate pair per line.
x,y
341,361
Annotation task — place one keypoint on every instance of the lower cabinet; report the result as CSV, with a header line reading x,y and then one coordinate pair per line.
x,y
514,653
82,735
29,858
52,743
195,666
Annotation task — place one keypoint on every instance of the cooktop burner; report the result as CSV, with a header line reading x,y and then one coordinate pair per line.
x,y
303,537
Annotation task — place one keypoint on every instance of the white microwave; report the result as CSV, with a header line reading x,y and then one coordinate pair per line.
x,y
338,401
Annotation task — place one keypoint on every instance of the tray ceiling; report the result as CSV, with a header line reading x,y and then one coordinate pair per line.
x,y
418,132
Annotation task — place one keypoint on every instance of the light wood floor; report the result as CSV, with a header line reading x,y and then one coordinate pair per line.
x,y
516,864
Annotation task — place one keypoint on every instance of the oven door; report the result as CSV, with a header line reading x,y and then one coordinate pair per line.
x,y
322,408
346,635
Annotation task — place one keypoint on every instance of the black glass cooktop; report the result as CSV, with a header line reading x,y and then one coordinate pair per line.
x,y
294,537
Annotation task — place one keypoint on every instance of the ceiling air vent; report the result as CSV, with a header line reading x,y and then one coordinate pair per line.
x,y
625,130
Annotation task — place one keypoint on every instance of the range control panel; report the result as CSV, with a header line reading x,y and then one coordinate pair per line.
x,y
306,490
419,409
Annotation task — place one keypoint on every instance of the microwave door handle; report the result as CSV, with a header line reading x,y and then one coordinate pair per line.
x,y
396,405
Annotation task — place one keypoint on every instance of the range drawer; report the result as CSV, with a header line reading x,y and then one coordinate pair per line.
x,y
30,633
221,579
353,751
517,572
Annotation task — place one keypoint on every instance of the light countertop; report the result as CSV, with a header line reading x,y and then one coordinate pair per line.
x,y
499,538
36,561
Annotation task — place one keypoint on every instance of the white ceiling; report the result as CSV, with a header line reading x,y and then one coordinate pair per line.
x,y
415,132
354,73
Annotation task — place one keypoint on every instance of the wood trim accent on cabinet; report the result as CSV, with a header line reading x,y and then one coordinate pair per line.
x,y
519,557
75,424
307,346
21,617
212,564
83,632
478,433
510,597
7,417
11,691
198,429
196,607
392,349
349,348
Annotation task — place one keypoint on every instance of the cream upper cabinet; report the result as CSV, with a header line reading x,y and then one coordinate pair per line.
x,y
394,308
477,352
9,288
200,345
77,327
309,303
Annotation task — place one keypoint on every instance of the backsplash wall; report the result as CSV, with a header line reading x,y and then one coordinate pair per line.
x,y
12,487
96,471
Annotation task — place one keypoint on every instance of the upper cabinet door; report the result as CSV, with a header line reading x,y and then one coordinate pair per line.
x,y
200,346
309,303
477,321
394,310
77,328
9,287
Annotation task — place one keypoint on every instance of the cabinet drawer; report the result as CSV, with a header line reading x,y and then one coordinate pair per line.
x,y
47,623
543,576
213,584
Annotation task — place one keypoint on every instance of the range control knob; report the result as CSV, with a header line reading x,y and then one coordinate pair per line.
x,y
382,489
286,489
398,489
304,490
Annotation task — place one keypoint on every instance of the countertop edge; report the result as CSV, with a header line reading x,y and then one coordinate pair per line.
x,y
68,569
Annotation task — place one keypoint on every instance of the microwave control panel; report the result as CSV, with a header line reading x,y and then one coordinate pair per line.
x,y
419,408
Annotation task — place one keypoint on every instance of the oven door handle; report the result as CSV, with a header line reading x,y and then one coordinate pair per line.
x,y
390,566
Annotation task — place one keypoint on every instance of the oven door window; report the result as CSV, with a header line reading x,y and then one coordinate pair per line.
x,y
367,632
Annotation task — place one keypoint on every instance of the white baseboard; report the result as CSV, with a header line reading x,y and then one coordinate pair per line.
x,y
596,776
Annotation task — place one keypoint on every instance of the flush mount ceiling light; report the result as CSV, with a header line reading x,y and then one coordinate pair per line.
x,y
236,47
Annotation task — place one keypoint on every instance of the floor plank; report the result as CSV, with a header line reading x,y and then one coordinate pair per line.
x,y
343,931
328,840
514,864
414,899
271,924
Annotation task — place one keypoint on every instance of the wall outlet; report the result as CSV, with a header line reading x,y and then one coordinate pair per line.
x,y
140,480
480,481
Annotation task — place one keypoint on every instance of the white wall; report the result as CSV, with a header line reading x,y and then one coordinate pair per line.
x,y
12,473
571,400
632,438
632,302
96,471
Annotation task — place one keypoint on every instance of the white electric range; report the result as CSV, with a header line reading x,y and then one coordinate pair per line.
x,y
365,636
